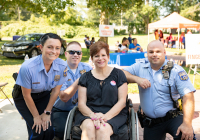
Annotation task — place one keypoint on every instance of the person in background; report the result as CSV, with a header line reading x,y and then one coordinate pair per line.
x,y
92,41
41,78
135,46
161,113
156,35
123,47
85,38
102,94
181,40
130,39
189,32
88,44
69,90
117,44
161,35
170,40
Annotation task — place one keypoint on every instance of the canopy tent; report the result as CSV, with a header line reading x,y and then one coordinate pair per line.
x,y
174,20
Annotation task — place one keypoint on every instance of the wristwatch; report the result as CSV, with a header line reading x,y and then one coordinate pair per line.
x,y
47,112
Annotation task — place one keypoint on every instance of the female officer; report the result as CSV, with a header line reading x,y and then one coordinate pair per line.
x,y
38,77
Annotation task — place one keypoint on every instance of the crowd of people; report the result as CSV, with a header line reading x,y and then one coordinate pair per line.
x,y
170,41
49,85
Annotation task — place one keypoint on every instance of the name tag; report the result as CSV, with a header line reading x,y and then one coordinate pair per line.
x,y
69,79
36,83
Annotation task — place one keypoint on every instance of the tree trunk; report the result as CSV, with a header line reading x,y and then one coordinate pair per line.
x,y
177,7
104,21
146,22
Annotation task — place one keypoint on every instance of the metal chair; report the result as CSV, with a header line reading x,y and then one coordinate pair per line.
x,y
2,85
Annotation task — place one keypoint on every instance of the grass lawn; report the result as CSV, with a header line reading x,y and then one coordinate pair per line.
x,y
9,65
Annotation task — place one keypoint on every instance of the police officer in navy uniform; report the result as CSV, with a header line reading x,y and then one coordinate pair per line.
x,y
160,114
68,91
41,78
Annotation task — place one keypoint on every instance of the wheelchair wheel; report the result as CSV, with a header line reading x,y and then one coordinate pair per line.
x,y
68,126
132,132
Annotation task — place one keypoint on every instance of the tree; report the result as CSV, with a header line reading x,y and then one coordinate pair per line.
x,y
110,7
174,5
192,12
146,14
37,6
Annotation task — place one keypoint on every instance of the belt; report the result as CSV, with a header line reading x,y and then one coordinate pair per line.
x,y
153,121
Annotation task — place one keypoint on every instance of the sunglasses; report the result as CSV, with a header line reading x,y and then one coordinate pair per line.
x,y
73,52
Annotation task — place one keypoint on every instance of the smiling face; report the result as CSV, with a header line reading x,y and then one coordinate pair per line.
x,y
100,59
156,54
73,59
51,49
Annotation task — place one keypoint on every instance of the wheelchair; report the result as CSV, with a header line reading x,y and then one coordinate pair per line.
x,y
129,131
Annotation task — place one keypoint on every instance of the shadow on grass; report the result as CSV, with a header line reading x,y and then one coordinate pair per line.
x,y
10,61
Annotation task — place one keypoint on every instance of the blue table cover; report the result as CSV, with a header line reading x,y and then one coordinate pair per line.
x,y
126,59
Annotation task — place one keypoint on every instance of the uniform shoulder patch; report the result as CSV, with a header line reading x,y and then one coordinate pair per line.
x,y
65,72
183,76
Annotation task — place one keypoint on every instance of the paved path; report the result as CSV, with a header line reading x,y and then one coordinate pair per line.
x,y
12,127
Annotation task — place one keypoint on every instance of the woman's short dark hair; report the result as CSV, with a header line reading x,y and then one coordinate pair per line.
x,y
74,42
96,47
124,39
49,35
133,39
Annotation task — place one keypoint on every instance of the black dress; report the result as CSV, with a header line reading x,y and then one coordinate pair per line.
x,y
102,95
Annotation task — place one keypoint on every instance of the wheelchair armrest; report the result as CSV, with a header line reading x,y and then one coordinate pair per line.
x,y
75,101
130,104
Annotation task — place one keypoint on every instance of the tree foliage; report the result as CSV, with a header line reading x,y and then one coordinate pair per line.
x,y
192,12
171,6
37,6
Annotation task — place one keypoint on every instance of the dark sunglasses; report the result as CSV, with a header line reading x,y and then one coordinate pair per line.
x,y
73,52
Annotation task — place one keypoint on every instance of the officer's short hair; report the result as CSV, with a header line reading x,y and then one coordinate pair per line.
x,y
74,42
96,47
49,35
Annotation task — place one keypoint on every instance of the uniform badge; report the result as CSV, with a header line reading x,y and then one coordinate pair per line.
x,y
82,71
69,79
183,76
65,72
113,83
57,78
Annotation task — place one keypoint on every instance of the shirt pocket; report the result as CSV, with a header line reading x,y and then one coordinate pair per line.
x,y
39,87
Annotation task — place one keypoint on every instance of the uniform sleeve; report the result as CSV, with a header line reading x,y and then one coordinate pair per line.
x,y
183,82
132,69
24,77
64,86
83,80
121,78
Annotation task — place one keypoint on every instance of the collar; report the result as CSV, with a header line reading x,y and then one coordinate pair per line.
x,y
54,65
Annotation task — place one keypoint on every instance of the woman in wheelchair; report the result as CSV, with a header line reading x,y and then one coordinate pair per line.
x,y
102,95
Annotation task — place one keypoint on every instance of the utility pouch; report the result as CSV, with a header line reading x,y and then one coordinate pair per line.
x,y
16,91
141,117
179,104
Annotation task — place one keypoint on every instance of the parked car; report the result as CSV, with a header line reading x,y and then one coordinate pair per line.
x,y
26,44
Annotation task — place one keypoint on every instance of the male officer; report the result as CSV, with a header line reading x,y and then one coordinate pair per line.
x,y
161,116
68,92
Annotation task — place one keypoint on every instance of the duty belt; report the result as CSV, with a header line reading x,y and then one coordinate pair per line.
x,y
153,121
